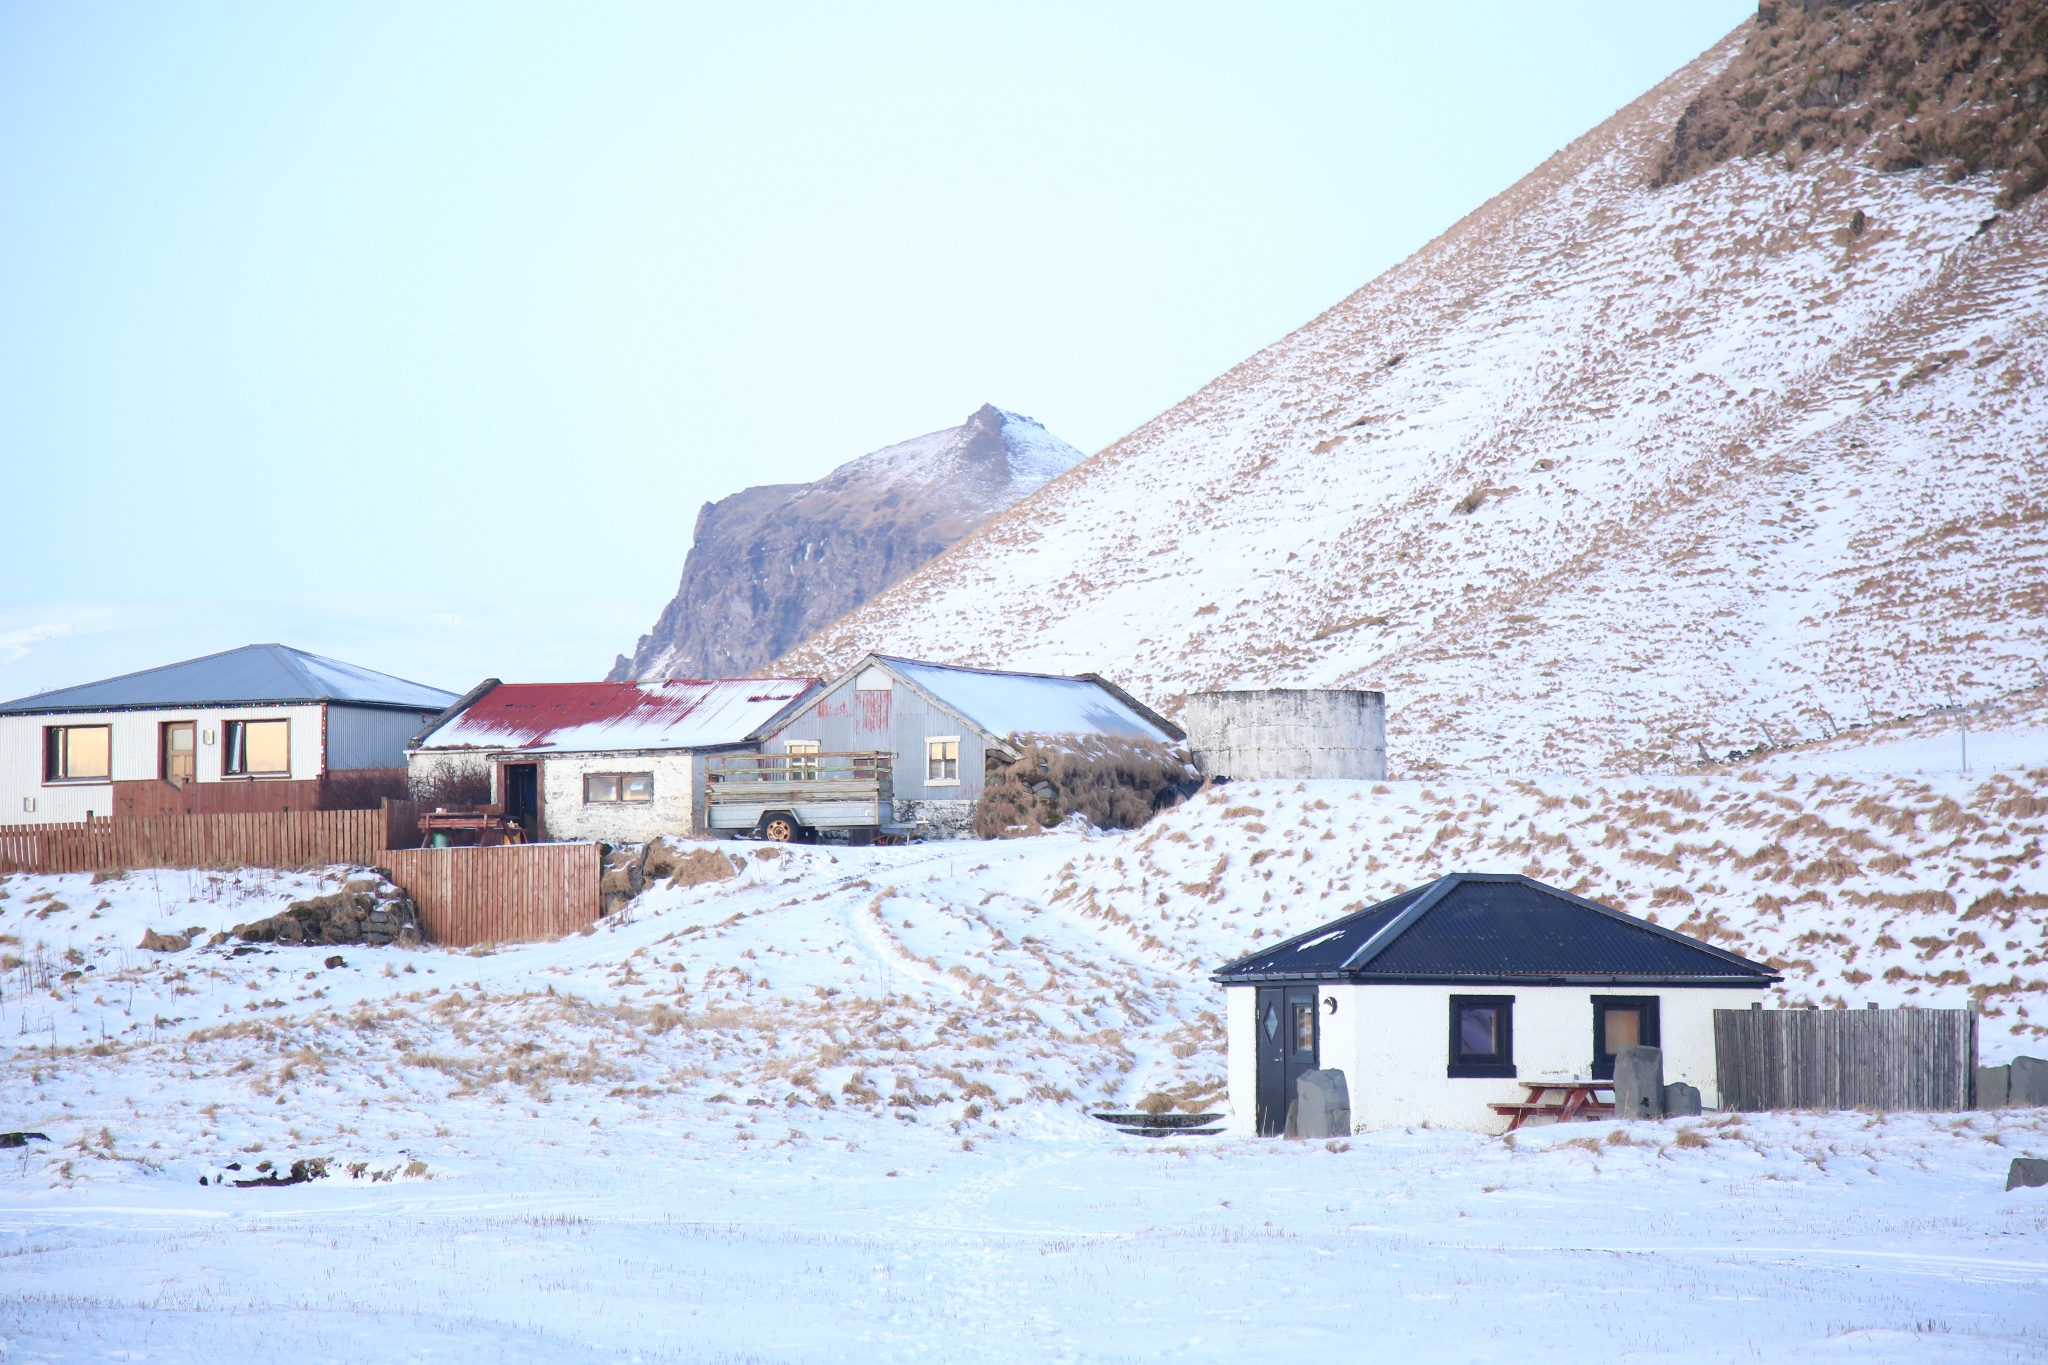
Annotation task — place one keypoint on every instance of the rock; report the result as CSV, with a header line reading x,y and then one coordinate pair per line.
x,y
1639,1083
154,942
363,911
701,865
2031,1171
658,859
2029,1085
615,883
22,1139
1681,1101
1322,1107
1993,1085
337,961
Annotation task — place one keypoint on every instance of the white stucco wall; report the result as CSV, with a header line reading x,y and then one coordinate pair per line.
x,y
134,755
568,816
1392,1043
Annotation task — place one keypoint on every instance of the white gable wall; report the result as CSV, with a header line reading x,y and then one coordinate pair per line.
x,y
1393,1045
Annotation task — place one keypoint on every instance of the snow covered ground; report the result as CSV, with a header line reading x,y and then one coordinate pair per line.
x,y
836,1106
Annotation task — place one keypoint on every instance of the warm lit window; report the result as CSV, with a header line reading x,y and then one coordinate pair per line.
x,y
612,788
78,753
257,748
803,769
1482,1035
1621,1021
942,761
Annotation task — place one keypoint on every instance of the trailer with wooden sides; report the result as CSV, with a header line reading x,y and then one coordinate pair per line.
x,y
790,797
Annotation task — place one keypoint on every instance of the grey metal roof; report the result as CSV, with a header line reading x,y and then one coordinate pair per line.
x,y
251,675
1496,928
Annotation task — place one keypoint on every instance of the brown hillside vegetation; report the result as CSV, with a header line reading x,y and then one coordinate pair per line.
x,y
1960,85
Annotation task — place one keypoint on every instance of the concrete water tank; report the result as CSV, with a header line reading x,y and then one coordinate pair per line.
x,y
1288,732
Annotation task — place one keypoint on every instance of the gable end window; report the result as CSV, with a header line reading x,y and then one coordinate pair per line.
x,y
256,748
942,761
604,789
1482,1036
78,753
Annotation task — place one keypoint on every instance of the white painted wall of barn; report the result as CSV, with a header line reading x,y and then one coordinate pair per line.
x,y
134,755
1393,1044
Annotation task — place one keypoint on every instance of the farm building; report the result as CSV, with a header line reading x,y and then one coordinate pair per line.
x,y
944,730
616,761
1448,1002
263,727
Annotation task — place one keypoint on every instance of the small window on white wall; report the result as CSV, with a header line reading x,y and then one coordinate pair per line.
x,y
604,789
942,761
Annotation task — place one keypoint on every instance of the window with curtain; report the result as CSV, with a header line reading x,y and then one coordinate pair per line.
x,y
78,753
256,748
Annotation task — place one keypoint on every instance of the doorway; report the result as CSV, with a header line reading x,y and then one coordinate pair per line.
x,y
521,788
1290,1043
180,754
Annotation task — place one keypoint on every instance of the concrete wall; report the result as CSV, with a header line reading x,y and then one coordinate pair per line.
x,y
1285,732
568,816
1393,1044
134,755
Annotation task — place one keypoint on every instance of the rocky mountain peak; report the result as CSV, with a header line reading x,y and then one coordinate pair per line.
x,y
770,566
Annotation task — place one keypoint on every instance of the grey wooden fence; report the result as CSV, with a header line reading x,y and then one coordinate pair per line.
x,y
1908,1059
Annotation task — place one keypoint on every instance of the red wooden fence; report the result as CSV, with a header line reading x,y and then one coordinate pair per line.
x,y
280,839
500,895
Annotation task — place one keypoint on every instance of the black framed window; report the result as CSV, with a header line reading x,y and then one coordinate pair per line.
x,y
1482,1036
1621,1021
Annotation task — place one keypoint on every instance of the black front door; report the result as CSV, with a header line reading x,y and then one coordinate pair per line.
x,y
1289,1044
522,797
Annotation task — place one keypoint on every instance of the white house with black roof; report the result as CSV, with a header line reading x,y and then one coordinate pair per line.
x,y
1441,1002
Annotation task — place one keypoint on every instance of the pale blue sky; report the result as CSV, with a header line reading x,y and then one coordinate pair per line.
x,y
416,334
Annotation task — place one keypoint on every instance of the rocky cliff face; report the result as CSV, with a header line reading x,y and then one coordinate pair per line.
x,y
769,567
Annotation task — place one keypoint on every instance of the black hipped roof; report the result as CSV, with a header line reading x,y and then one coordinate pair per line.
x,y
1495,928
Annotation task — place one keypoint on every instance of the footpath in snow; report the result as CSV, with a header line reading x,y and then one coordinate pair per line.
x,y
835,1107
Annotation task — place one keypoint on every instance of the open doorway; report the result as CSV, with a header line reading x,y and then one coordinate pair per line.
x,y
521,792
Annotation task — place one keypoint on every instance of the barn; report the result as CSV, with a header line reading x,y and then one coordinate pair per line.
x,y
1451,998
943,726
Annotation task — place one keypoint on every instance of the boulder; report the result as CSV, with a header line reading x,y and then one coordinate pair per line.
x,y
1639,1083
1322,1107
1681,1101
2027,1171
2029,1085
365,911
1993,1083
154,942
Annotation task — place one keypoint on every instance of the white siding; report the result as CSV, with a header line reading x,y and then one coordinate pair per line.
x,y
134,755
1393,1045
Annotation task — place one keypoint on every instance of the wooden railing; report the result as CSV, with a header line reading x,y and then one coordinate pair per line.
x,y
752,779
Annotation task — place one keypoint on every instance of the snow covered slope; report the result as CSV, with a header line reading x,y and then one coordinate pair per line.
x,y
1606,478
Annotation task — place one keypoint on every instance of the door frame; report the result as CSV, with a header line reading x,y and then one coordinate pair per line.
x,y
538,834
1281,1062
163,748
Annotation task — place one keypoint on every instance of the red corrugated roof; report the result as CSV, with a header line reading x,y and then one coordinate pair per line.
x,y
683,713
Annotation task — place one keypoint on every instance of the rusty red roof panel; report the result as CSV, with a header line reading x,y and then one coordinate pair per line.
x,y
598,717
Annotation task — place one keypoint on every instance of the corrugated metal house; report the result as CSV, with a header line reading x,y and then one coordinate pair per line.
x,y
621,762
941,723
263,727
1447,999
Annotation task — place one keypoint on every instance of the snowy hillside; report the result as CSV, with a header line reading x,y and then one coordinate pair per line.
x,y
835,1105
1607,478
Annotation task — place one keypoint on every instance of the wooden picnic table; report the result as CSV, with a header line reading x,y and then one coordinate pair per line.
x,y
1577,1100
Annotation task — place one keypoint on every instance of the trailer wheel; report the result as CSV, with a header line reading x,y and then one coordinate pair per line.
x,y
781,827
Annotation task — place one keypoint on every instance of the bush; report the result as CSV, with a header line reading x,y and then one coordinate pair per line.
x,y
453,785
1113,783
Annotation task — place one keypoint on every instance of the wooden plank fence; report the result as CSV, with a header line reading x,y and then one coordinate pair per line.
x,y
1906,1059
287,840
505,894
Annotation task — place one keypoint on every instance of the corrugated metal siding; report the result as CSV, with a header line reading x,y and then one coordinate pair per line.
x,y
511,894
834,721
363,737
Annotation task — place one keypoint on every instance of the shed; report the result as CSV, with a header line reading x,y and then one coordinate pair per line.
x,y
943,723
619,761
1442,1001
263,727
